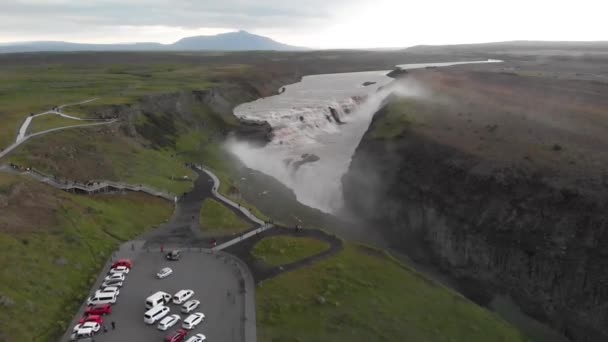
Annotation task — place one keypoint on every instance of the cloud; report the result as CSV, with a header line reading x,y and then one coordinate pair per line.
x,y
313,23
29,15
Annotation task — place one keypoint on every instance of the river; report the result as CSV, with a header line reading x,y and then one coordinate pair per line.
x,y
306,130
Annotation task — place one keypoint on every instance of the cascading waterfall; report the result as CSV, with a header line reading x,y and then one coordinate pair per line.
x,y
317,125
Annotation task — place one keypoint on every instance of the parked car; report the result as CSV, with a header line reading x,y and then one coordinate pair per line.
x,y
91,318
108,290
81,327
83,335
119,269
165,272
123,262
156,313
168,322
174,255
115,276
102,298
158,298
193,320
181,296
190,306
112,282
103,309
176,336
197,338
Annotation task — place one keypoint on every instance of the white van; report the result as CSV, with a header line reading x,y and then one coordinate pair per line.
x,y
158,298
181,296
156,313
103,298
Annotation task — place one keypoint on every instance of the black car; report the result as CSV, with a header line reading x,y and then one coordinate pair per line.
x,y
174,255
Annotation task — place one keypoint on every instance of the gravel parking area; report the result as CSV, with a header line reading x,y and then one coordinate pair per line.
x,y
219,281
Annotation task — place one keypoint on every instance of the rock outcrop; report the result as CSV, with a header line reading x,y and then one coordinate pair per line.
x,y
505,227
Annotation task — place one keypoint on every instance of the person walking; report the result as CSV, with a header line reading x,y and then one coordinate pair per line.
x,y
113,325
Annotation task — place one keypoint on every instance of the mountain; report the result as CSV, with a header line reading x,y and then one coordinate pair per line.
x,y
232,41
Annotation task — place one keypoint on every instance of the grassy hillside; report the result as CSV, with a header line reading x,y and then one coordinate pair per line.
x,y
50,121
363,295
85,154
216,218
281,250
53,245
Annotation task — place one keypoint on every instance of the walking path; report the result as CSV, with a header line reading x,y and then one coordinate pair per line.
x,y
226,200
242,237
23,137
98,186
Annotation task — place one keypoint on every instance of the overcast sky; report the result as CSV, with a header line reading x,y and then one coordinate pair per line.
x,y
310,23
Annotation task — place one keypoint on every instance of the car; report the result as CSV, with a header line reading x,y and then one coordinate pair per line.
x,y
112,282
119,269
193,320
176,336
197,338
84,335
181,296
155,314
165,272
123,262
190,306
109,290
91,318
115,276
103,309
81,327
168,322
174,255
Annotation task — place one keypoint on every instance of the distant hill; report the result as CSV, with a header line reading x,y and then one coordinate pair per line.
x,y
232,41
538,48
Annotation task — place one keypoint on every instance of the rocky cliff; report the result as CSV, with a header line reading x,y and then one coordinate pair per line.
x,y
510,228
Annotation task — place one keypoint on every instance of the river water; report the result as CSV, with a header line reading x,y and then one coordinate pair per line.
x,y
305,130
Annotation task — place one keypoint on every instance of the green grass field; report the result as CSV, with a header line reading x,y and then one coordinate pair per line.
x,y
47,269
363,295
50,121
281,250
88,153
216,218
397,120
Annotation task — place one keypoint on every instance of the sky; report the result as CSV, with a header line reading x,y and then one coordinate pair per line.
x,y
309,23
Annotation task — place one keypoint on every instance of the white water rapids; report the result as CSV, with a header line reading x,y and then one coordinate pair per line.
x,y
304,128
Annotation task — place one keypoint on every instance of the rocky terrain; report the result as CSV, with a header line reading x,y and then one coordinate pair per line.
x,y
499,179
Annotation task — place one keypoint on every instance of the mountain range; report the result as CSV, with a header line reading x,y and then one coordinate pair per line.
x,y
232,41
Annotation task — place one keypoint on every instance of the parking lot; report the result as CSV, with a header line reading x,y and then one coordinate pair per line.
x,y
218,280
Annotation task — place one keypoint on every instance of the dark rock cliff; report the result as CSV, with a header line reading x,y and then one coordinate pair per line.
x,y
163,113
504,227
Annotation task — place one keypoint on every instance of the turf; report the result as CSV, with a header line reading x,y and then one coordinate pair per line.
x,y
363,295
84,154
281,250
46,270
50,121
216,218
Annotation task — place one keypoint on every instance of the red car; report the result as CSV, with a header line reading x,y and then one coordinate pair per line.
x,y
177,336
103,309
123,262
91,318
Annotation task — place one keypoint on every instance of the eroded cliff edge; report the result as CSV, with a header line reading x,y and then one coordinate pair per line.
x,y
432,177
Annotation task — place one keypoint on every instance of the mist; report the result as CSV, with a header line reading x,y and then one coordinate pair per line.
x,y
318,183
